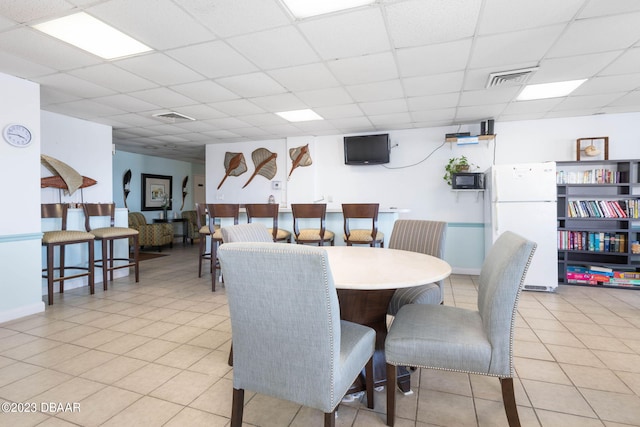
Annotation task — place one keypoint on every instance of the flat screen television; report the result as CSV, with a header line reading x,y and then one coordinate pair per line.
x,y
366,149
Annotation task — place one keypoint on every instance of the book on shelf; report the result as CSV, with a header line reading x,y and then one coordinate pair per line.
x,y
600,269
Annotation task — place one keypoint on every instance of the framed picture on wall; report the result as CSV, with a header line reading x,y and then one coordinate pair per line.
x,y
156,192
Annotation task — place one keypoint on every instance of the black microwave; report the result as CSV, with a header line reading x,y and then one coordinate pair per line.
x,y
467,181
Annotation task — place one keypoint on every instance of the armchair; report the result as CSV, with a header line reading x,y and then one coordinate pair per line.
x,y
193,231
156,235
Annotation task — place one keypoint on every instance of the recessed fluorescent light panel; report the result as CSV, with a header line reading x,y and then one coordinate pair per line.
x,y
306,8
300,115
94,36
549,90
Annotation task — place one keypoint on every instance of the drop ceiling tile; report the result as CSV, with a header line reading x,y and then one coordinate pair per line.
x,y
74,85
201,112
352,124
277,48
378,108
364,69
227,123
6,23
421,60
238,107
49,96
87,108
205,91
252,132
264,119
587,101
477,113
376,91
585,36
164,128
221,134
317,127
283,129
582,112
432,102
339,111
197,125
325,97
572,68
500,16
433,84
494,95
159,24
126,103
159,68
280,102
164,97
251,85
227,18
520,117
608,84
108,75
608,7
514,47
628,62
20,67
352,34
630,99
305,77
136,122
434,116
37,47
29,10
390,119
214,59
533,106
421,22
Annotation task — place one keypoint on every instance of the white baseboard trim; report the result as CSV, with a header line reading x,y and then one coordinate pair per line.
x,y
26,310
466,271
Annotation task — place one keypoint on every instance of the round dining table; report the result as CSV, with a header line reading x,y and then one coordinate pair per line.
x,y
366,278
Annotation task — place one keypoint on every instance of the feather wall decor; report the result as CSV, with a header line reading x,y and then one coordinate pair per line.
x,y
265,162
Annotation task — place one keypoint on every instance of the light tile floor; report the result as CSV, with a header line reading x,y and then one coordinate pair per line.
x,y
154,353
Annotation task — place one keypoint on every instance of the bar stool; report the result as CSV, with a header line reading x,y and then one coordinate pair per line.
x,y
61,238
311,235
203,232
107,235
372,236
268,210
219,210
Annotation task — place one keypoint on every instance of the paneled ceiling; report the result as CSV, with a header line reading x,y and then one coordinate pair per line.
x,y
231,64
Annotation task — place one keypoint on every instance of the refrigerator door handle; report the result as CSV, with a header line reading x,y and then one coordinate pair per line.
x,y
494,218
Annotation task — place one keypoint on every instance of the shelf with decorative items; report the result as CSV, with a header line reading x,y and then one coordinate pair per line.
x,y
599,223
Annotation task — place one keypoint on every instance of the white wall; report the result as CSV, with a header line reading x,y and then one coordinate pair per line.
x,y
20,217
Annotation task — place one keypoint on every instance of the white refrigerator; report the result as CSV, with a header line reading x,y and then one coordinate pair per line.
x,y
522,198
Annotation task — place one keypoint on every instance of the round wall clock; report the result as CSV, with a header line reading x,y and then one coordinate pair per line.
x,y
17,135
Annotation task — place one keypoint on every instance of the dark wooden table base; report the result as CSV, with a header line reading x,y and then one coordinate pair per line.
x,y
369,307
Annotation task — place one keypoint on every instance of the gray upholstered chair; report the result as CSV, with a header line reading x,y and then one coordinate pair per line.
x,y
288,339
251,232
462,340
426,237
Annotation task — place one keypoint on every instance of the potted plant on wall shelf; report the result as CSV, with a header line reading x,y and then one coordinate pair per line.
x,y
455,165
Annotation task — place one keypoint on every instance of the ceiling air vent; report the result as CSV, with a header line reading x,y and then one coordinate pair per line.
x,y
510,78
173,117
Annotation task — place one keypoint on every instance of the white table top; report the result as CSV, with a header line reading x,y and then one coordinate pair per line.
x,y
366,268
